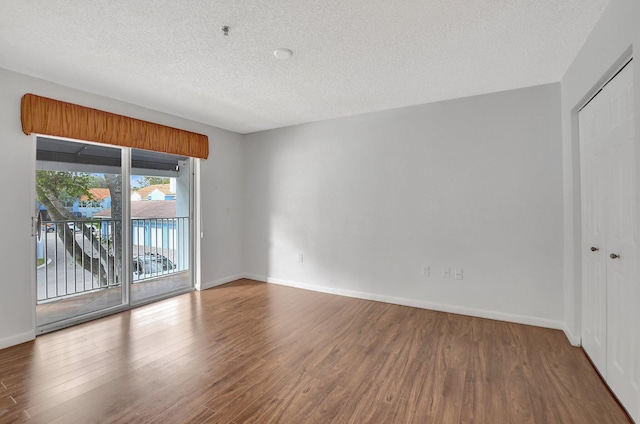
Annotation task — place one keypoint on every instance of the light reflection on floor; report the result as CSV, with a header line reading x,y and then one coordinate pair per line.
x,y
83,304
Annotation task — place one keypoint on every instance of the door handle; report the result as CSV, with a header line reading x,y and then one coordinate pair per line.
x,y
614,256
594,249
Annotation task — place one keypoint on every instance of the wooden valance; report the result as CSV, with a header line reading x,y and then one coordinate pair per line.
x,y
46,116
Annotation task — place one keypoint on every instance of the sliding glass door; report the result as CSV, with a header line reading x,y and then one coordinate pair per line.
x,y
114,229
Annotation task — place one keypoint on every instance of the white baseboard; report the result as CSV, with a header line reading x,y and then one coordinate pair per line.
x,y
574,340
221,281
461,310
17,339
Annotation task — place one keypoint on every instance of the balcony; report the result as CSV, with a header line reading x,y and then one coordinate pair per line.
x,y
78,269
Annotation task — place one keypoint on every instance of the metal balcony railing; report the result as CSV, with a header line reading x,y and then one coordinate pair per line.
x,y
82,256
160,247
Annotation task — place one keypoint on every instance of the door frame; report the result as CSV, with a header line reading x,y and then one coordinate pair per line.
x,y
194,239
573,247
613,71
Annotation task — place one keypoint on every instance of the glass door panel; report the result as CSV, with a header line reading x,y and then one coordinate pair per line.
x,y
160,225
79,243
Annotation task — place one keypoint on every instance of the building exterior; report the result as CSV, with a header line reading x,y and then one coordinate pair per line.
x,y
87,206
154,192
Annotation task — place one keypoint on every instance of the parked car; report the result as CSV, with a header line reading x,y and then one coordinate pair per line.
x,y
151,265
50,227
72,226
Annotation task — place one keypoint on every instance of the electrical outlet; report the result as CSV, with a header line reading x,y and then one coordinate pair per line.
x,y
300,257
425,270
458,274
446,272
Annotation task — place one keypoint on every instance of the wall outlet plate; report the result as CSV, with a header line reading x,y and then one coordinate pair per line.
x,y
446,272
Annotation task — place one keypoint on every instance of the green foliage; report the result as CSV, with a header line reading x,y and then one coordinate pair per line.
x,y
97,181
146,181
64,186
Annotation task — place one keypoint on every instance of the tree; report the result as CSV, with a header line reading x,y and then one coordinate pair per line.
x,y
53,190
146,181
97,181
114,183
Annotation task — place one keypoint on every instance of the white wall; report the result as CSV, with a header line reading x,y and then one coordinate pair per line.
x,y
474,183
612,40
221,178
222,210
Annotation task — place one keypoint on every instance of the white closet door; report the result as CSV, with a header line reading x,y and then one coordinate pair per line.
x,y
623,299
611,290
593,119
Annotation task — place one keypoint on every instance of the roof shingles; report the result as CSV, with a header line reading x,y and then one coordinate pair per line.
x,y
149,209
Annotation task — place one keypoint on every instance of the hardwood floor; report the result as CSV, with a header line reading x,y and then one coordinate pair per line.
x,y
250,352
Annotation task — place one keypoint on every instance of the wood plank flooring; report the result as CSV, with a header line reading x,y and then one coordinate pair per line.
x,y
249,352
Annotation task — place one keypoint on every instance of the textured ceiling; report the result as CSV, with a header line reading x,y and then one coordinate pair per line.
x,y
349,56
